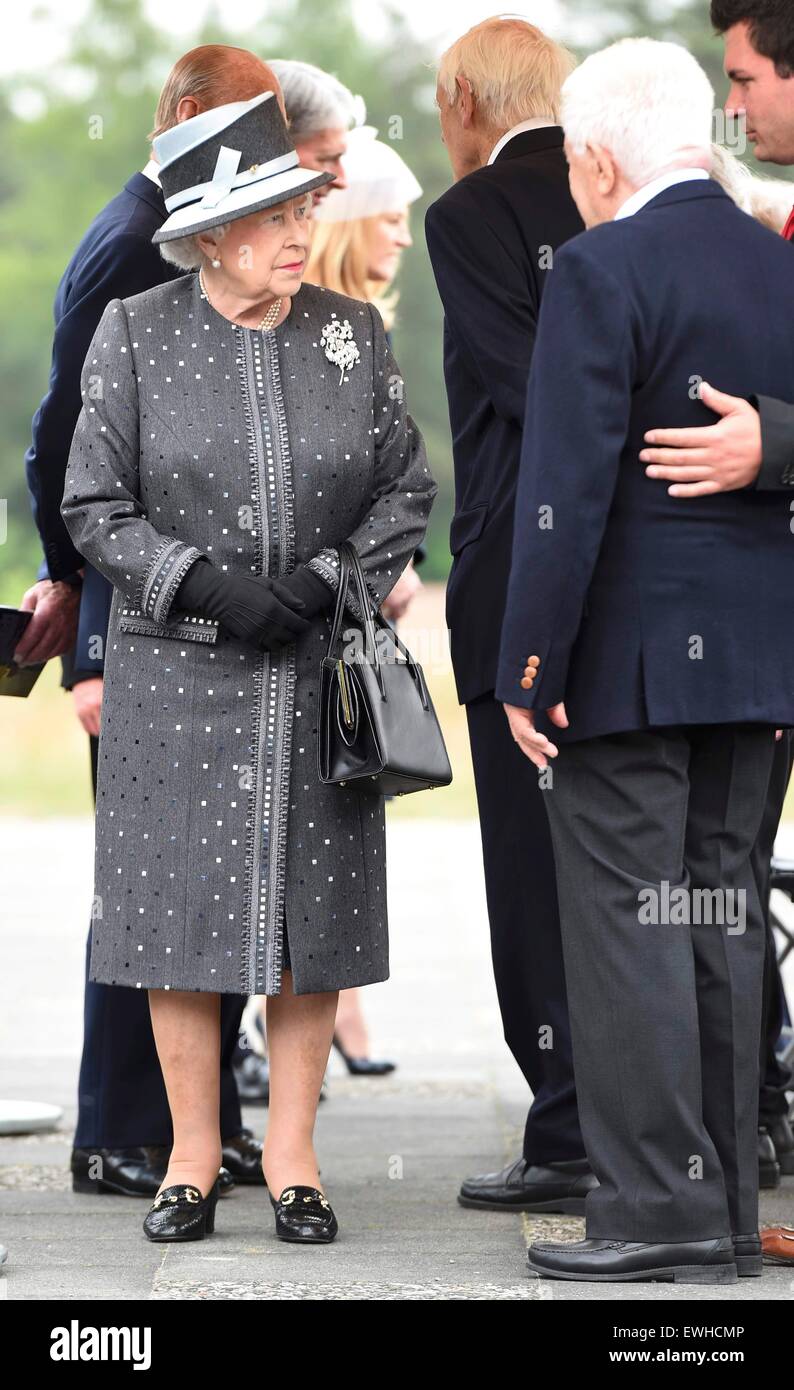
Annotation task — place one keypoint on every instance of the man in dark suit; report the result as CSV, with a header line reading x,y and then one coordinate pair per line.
x,y
751,445
123,1132
491,238
656,636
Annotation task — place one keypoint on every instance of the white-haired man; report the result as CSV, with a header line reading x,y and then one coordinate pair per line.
x,y
652,638
320,111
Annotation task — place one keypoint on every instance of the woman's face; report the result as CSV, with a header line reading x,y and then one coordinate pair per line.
x,y
265,252
388,238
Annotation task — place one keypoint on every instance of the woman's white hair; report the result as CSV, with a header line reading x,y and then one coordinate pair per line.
x,y
315,100
768,200
649,103
185,253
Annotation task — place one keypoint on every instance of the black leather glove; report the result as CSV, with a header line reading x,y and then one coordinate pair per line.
x,y
308,586
251,607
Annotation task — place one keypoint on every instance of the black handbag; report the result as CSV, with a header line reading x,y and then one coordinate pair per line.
x,y
378,729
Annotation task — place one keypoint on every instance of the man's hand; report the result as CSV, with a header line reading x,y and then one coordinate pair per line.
x,y
714,458
396,603
53,628
537,747
88,703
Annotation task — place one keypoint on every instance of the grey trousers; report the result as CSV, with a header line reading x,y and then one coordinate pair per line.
x,y
665,1012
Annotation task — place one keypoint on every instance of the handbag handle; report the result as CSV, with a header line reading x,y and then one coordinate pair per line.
x,y
350,567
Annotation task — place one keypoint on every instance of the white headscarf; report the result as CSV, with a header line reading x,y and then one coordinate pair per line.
x,y
378,181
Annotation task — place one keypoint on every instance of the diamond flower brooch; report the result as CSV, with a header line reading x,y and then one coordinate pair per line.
x,y
340,348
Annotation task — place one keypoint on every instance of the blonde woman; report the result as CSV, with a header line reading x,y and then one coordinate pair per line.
x,y
360,232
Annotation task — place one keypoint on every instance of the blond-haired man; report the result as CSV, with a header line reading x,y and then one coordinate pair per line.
x,y
492,238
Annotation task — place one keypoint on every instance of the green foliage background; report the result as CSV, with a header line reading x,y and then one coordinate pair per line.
x,y
55,175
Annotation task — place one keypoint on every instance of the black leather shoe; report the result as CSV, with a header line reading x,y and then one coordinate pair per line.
x,y
304,1215
135,1172
242,1155
768,1166
554,1187
181,1213
782,1136
253,1080
621,1261
226,1183
748,1255
363,1066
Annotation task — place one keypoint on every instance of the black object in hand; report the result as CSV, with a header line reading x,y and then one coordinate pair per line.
x,y
253,608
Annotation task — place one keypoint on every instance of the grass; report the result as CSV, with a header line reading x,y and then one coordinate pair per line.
x,y
45,768
44,760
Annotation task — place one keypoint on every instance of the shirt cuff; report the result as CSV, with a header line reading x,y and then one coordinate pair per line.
x,y
777,444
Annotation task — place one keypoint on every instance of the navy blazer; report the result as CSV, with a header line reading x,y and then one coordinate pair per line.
x,y
114,259
648,610
491,238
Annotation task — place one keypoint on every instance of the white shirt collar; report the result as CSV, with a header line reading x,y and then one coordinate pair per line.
x,y
649,190
150,171
534,123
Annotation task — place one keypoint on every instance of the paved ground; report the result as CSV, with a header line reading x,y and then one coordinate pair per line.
x,y
392,1151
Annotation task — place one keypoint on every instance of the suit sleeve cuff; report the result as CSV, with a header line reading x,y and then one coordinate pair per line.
x,y
549,686
777,437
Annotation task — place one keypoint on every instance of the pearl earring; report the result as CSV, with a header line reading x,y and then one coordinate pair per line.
x,y
216,264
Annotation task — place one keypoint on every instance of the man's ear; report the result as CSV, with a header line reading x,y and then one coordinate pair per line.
x,y
466,101
604,167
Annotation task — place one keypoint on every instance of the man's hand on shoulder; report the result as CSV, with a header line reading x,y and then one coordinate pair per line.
x,y
714,458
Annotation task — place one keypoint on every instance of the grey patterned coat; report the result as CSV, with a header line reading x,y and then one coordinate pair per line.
x,y
251,448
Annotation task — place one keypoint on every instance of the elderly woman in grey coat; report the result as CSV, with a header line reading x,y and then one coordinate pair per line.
x,y
236,428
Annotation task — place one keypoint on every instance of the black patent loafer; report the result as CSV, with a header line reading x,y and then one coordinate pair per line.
x,y
242,1156
624,1261
181,1213
521,1186
304,1215
748,1255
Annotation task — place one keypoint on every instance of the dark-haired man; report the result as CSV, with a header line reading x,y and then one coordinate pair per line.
x,y
752,445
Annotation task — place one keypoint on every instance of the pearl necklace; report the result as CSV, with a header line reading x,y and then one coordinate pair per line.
x,y
270,318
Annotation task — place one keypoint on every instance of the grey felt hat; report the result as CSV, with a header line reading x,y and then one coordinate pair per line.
x,y
227,162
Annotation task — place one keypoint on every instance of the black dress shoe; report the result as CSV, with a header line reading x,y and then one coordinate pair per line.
x,y
363,1066
226,1183
304,1215
782,1136
621,1261
242,1155
521,1186
181,1213
748,1255
253,1080
135,1172
768,1166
